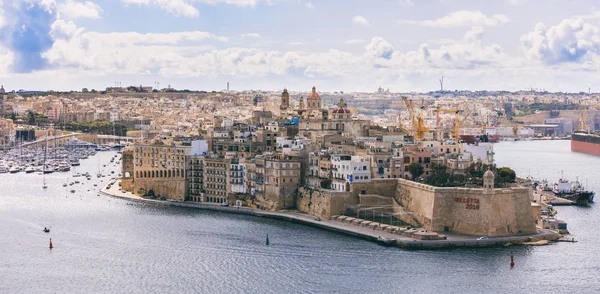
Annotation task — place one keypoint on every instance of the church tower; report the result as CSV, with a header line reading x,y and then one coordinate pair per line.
x,y
301,104
285,100
314,100
488,182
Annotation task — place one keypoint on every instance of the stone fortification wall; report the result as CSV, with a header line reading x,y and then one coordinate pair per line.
x,y
496,212
276,197
418,199
383,187
168,188
323,203
468,211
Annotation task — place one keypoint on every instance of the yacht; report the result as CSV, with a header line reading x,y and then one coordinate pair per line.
x,y
3,169
14,169
48,169
29,169
64,167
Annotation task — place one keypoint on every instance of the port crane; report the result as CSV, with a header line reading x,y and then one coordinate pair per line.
x,y
418,125
457,121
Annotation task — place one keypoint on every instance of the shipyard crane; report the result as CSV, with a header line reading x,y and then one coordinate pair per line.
x,y
418,125
457,124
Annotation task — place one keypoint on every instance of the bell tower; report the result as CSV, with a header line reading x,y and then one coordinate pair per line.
x,y
285,100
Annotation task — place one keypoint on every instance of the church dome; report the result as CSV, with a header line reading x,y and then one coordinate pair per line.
x,y
341,108
313,94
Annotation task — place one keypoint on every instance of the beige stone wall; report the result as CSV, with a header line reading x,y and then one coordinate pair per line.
x,y
418,199
169,188
276,197
324,203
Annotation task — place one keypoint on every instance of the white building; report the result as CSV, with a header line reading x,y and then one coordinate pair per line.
x,y
349,169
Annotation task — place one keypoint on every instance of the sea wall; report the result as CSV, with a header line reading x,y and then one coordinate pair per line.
x,y
168,188
419,200
324,203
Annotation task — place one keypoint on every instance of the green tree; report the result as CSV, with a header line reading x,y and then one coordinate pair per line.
x,y
507,175
439,176
31,117
416,170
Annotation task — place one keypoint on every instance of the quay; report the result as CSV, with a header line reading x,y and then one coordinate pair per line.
x,y
374,233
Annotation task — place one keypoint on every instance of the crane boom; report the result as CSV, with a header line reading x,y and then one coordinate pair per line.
x,y
418,125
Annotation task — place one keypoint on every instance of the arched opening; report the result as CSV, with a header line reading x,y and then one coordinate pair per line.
x,y
127,175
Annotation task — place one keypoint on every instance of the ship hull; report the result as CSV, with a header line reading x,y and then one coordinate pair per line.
x,y
585,147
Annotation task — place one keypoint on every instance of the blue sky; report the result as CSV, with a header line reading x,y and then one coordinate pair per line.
x,y
403,45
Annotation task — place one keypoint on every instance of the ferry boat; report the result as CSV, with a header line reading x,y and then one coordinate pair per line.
x,y
585,143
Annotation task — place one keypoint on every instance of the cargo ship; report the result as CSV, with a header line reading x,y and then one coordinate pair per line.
x,y
472,139
585,143
573,191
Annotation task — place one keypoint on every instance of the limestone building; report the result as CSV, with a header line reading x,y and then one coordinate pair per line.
x,y
276,181
216,186
159,169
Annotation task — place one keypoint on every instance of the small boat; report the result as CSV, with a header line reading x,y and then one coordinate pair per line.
x,y
46,230
72,191
29,169
15,169
65,184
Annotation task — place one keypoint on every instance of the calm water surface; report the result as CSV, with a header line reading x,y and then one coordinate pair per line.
x,y
106,245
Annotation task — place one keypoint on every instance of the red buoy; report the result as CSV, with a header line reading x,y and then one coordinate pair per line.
x,y
512,261
51,244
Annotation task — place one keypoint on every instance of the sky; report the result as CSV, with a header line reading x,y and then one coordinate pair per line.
x,y
335,45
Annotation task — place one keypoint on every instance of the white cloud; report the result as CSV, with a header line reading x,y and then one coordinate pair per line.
x,y
355,41
572,40
175,7
463,18
379,48
6,60
251,35
360,20
310,5
73,10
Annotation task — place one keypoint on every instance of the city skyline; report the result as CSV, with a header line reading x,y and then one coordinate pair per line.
x,y
203,44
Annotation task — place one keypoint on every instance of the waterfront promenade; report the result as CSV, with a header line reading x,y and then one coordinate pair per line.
x,y
453,240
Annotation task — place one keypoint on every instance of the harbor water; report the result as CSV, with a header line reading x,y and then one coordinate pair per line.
x,y
108,245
